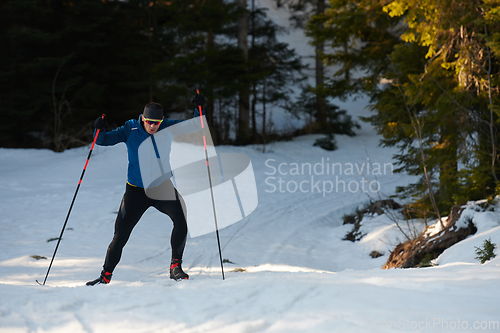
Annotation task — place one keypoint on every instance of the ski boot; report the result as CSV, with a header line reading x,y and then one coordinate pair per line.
x,y
104,278
176,271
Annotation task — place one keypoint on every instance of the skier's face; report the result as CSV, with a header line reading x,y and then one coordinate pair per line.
x,y
151,125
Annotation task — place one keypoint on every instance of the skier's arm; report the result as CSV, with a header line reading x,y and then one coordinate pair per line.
x,y
183,126
115,136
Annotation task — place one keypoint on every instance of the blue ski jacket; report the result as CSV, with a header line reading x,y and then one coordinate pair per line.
x,y
133,134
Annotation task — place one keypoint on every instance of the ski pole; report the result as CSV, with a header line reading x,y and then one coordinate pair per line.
x,y
71,207
211,189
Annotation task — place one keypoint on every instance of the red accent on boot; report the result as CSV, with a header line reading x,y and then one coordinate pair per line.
x,y
106,278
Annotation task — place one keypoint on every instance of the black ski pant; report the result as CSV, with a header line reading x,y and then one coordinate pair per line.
x,y
134,203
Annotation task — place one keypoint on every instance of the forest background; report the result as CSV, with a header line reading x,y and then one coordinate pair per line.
x,y
429,67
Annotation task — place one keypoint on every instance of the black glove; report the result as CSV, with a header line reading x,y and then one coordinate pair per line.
x,y
199,100
100,123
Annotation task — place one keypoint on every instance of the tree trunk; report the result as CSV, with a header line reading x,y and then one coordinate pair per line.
x,y
209,93
448,168
264,138
254,83
244,93
492,132
320,73
150,58
254,111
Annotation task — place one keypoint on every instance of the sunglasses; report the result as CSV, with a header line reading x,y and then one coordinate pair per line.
x,y
152,121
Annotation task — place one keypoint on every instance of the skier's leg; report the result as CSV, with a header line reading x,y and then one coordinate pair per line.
x,y
173,208
133,206
179,231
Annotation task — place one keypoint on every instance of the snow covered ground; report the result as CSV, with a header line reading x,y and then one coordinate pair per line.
x,y
289,270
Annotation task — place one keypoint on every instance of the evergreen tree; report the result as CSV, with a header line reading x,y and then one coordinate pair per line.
x,y
303,12
67,62
316,17
430,68
243,134
204,56
454,93
207,56
360,36
274,67
27,42
337,120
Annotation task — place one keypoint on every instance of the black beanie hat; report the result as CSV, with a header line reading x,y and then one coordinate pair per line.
x,y
153,111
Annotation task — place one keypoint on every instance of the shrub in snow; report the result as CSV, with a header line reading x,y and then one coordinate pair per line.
x,y
327,143
378,207
376,254
486,252
427,260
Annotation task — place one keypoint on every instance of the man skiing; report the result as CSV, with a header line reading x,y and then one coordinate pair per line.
x,y
135,201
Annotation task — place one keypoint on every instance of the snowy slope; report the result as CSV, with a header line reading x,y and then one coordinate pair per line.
x,y
290,272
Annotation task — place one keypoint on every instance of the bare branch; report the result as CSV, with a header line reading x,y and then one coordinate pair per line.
x,y
418,132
